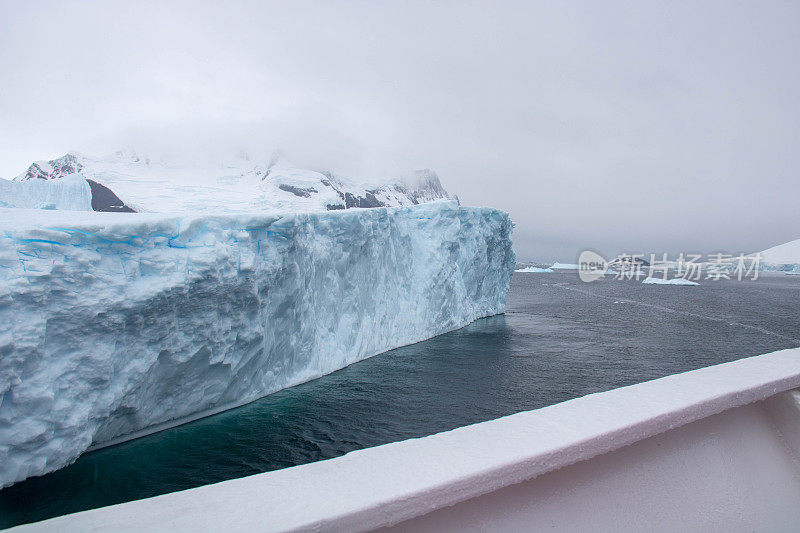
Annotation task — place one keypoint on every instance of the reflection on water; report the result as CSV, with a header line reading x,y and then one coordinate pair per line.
x,y
559,339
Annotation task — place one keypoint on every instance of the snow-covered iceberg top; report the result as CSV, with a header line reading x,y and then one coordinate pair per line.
x,y
672,281
126,181
114,324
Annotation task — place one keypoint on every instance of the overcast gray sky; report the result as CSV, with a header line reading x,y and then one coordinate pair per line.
x,y
636,126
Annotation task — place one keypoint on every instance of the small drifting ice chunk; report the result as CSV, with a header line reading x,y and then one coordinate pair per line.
x,y
564,266
536,269
673,281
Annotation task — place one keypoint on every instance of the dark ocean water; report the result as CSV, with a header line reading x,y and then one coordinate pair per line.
x,y
559,339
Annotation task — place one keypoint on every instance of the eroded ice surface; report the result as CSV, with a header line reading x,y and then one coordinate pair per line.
x,y
114,323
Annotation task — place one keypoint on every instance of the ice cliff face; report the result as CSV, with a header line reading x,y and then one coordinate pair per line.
x,y
113,324
71,192
125,181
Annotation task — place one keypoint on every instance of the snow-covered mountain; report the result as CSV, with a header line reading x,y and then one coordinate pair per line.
x,y
125,181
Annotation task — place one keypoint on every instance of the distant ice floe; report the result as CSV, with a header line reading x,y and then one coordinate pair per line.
x,y
673,281
564,266
536,269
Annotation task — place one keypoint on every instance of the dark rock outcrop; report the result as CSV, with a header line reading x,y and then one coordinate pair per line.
x,y
104,199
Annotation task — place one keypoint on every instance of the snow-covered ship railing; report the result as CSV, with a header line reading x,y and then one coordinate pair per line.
x,y
714,446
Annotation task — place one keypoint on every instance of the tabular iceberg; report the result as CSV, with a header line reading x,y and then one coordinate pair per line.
x,y
784,257
113,324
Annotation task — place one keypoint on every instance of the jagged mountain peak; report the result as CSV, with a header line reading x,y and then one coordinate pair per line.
x,y
69,163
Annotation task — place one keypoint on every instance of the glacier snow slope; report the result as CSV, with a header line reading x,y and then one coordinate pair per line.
x,y
236,185
116,323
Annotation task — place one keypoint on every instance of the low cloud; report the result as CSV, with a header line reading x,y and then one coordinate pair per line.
x,y
614,127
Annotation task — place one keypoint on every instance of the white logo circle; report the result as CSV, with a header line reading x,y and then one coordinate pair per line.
x,y
591,266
